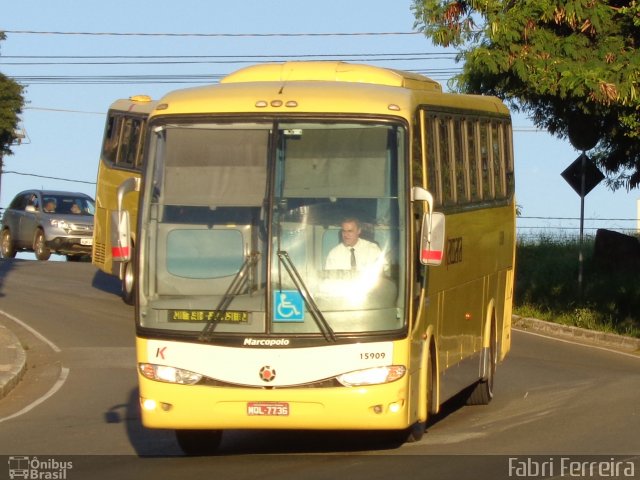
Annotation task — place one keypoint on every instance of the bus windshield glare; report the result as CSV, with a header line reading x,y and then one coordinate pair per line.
x,y
283,228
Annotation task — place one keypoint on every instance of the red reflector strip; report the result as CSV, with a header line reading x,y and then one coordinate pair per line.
x,y
432,255
119,252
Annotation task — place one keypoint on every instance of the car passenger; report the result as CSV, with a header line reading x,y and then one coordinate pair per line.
x,y
50,206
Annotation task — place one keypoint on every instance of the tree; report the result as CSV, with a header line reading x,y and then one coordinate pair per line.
x,y
11,102
572,65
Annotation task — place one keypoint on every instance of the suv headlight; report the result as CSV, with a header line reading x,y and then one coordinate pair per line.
x,y
59,223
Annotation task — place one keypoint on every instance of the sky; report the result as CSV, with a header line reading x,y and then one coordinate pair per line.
x,y
67,98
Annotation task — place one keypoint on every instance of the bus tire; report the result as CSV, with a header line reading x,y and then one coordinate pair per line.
x,y
199,442
482,391
416,432
128,283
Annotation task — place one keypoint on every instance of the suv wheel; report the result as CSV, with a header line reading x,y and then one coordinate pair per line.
x,y
6,244
40,247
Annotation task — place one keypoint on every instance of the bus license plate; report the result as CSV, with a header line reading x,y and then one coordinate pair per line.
x,y
277,409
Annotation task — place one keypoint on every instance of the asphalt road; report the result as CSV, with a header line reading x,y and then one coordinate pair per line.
x,y
78,402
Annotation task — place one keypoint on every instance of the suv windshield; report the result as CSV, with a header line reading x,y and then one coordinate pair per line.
x,y
274,228
60,204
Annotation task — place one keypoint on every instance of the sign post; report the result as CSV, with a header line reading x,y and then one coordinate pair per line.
x,y
582,175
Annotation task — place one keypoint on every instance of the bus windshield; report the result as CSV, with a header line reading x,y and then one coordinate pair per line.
x,y
282,227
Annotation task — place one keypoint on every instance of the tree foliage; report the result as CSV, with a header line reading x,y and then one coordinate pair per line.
x,y
11,102
570,64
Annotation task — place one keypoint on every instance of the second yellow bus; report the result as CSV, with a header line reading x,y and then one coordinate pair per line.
x,y
116,193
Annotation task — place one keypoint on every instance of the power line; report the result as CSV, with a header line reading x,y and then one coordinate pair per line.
x,y
578,218
258,35
221,59
211,61
436,74
47,177
117,79
443,55
63,110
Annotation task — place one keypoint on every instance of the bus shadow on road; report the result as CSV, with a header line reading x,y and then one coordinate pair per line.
x,y
107,283
162,443
6,265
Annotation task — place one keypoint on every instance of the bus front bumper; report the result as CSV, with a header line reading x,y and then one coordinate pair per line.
x,y
379,407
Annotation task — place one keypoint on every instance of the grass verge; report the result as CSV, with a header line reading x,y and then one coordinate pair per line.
x,y
547,287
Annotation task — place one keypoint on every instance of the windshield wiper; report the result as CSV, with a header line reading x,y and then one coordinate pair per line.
x,y
312,306
235,287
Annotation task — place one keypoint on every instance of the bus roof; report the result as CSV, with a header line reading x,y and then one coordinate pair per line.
x,y
332,72
136,103
321,87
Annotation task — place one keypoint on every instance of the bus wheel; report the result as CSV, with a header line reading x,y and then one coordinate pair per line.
x,y
128,283
40,247
416,432
482,392
199,442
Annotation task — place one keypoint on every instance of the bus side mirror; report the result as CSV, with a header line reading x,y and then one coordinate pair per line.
x,y
120,236
432,231
432,239
120,226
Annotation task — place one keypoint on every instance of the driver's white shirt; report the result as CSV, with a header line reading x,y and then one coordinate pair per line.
x,y
367,254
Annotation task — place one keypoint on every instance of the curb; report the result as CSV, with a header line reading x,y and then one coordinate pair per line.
x,y
613,340
13,361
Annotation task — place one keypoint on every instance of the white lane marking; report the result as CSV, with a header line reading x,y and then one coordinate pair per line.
x,y
64,373
563,340
32,330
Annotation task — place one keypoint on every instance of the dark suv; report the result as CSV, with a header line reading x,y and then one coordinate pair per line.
x,y
48,221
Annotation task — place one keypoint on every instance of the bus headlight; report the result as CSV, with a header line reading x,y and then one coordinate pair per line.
x,y
163,373
372,376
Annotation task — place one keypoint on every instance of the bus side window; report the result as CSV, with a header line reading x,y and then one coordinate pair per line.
x,y
498,159
460,163
473,159
485,159
446,161
508,159
112,138
433,163
130,140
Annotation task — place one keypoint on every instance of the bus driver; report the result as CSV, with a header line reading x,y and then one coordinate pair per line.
x,y
354,253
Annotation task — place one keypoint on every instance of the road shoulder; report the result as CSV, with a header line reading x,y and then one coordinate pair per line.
x,y
582,335
13,361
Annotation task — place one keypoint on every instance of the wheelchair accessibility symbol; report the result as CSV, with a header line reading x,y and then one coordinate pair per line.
x,y
288,306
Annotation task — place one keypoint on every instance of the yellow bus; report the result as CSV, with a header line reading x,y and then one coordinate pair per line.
x,y
119,168
246,318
